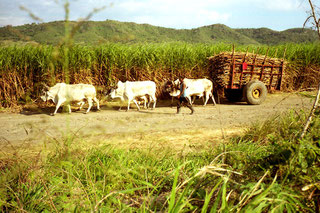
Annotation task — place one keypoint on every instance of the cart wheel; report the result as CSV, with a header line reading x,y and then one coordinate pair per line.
x,y
255,92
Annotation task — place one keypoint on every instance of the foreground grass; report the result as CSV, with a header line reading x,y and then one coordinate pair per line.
x,y
265,169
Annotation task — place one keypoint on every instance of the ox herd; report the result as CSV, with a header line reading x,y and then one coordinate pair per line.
x,y
136,91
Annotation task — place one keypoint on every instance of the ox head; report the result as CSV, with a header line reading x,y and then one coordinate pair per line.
x,y
168,86
116,91
173,87
178,81
45,93
108,90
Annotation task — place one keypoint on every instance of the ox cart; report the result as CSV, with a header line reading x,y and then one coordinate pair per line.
x,y
246,76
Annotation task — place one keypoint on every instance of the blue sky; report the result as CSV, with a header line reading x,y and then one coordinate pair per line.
x,y
180,14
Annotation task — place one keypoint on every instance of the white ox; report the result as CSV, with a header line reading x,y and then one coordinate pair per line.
x,y
133,90
66,93
194,87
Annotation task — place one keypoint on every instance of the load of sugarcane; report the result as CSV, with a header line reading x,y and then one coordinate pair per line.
x,y
221,67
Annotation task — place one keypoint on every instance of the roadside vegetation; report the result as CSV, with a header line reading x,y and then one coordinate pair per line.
x,y
267,169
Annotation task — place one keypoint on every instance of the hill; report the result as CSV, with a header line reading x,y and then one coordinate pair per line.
x,y
92,33
271,37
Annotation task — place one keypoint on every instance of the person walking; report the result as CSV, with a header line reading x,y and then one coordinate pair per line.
x,y
182,97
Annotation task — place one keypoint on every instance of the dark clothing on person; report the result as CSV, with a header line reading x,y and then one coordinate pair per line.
x,y
183,98
184,101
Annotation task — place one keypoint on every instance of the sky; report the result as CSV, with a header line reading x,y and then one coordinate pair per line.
x,y
179,14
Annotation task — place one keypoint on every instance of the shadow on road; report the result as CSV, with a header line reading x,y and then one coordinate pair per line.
x,y
48,109
157,113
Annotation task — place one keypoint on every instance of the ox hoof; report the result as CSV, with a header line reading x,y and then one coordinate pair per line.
x,y
52,114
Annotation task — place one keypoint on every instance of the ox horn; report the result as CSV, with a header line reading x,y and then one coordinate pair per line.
x,y
45,86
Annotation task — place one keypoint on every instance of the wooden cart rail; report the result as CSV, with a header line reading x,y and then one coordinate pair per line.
x,y
233,70
271,78
246,76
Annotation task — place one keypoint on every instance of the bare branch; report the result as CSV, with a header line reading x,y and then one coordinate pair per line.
x,y
31,14
313,13
307,20
315,105
316,102
66,10
87,18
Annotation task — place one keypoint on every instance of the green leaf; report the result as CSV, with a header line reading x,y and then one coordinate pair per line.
x,y
208,197
173,191
224,196
214,208
261,196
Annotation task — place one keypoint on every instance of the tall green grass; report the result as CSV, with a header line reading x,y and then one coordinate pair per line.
x,y
24,68
268,169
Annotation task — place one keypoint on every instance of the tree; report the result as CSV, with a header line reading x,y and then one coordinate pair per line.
x,y
316,23
313,18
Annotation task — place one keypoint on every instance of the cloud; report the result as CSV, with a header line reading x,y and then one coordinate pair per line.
x,y
193,13
278,5
177,14
167,13
13,20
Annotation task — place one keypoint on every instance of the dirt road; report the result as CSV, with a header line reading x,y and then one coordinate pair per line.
x,y
161,123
